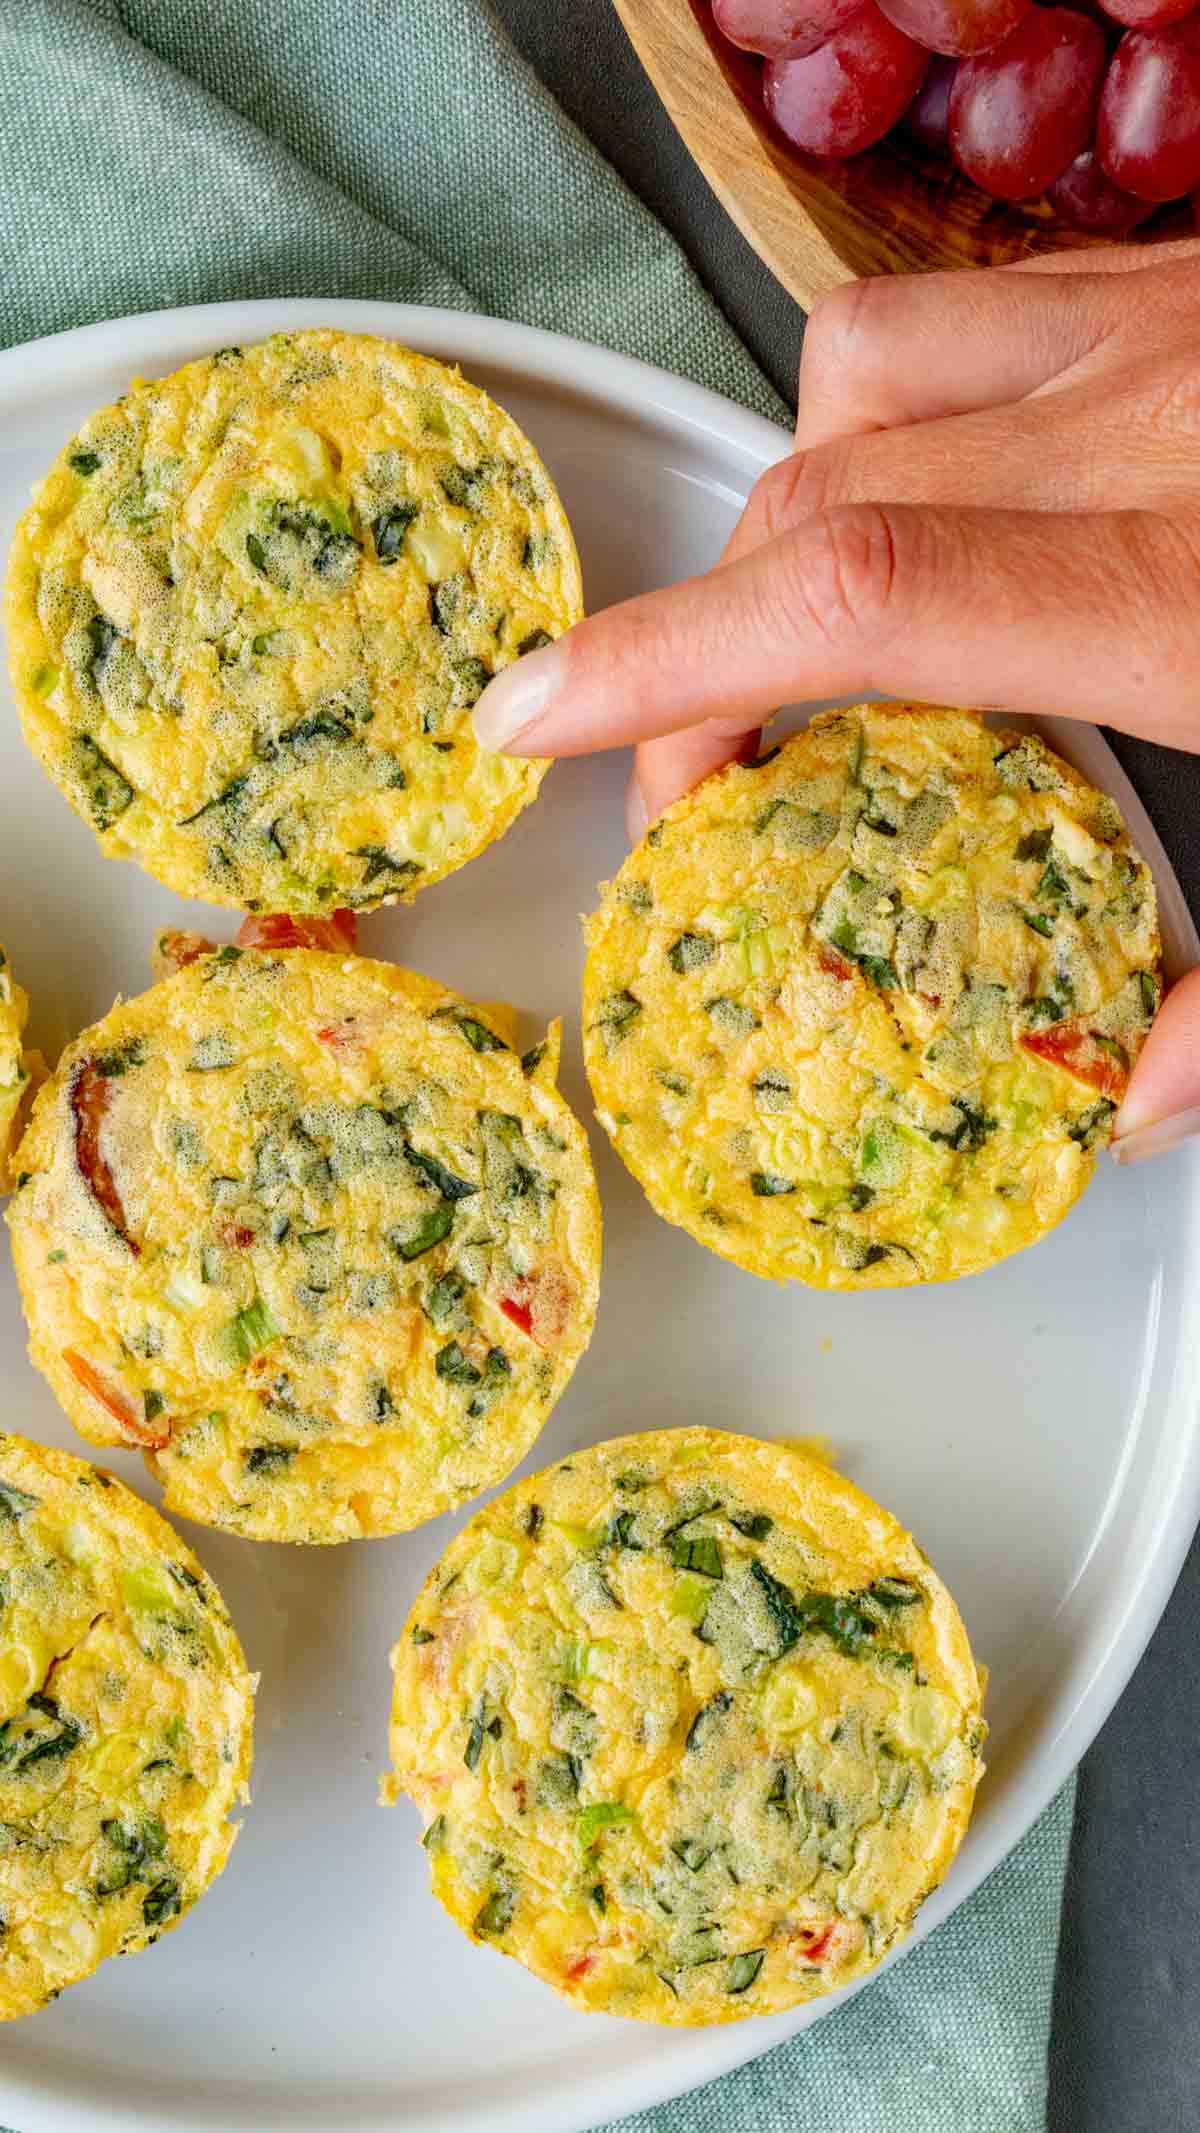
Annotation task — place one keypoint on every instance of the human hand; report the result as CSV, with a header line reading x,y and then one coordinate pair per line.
x,y
994,499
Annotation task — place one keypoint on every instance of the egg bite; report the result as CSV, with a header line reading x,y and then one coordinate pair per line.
x,y
306,1230
693,1726
861,1013
250,608
15,1065
125,1724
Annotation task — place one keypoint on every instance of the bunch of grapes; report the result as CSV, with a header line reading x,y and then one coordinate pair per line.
x,y
1095,103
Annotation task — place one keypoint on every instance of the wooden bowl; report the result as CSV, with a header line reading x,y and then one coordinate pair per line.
x,y
891,211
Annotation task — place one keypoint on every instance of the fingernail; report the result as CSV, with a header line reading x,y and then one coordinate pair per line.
x,y
1156,1139
637,814
517,698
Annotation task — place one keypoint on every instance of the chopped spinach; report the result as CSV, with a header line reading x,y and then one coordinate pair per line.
x,y
161,1902
754,1524
1090,1126
268,1458
109,1065
389,529
782,1610
454,1365
768,1185
477,1034
773,1090
1035,844
379,861
707,1716
700,1554
495,1916
617,1015
107,792
619,1531
971,1130
731,1015
15,1502
744,1969
691,951
27,1749
448,1184
444,1295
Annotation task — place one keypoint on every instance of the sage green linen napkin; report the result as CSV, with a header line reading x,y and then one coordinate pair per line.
x,y
158,152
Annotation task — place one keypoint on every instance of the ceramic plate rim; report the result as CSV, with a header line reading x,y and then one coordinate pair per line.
x,y
37,371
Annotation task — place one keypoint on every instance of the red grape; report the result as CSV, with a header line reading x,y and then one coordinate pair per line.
x,y
928,116
957,26
1148,139
776,26
1148,14
849,92
1021,114
1085,198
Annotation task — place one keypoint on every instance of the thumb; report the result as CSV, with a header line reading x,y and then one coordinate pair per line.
x,y
1162,1106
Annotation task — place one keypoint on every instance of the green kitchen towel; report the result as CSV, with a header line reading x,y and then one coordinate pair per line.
x,y
158,152
952,2039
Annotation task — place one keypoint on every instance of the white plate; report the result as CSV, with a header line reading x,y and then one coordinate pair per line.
x,y
1037,1426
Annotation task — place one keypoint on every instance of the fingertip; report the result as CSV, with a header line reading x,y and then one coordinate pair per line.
x,y
1166,1079
516,700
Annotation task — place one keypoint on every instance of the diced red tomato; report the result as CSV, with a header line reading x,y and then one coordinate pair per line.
x,y
816,1948
91,1093
580,1967
341,1036
175,948
238,1235
833,964
540,1305
521,1795
278,929
113,1398
1077,1049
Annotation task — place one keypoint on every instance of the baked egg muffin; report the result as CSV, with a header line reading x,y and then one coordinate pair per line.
x,y
125,1724
15,1065
310,1233
252,604
693,1726
860,1014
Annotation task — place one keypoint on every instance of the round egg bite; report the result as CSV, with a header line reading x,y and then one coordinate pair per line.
x,y
125,1724
252,604
860,1014
306,1230
693,1726
14,1065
